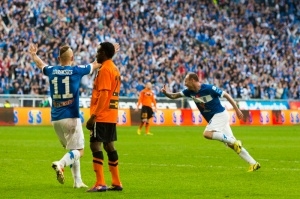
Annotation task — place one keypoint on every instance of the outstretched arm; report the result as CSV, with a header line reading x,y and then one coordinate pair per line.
x,y
170,95
234,105
95,65
33,50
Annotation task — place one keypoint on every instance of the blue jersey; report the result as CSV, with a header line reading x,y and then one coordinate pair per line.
x,y
207,100
64,89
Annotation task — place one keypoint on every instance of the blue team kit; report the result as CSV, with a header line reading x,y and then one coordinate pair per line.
x,y
207,100
64,88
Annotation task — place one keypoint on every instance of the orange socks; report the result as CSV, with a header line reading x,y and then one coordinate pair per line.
x,y
147,127
98,168
141,125
113,168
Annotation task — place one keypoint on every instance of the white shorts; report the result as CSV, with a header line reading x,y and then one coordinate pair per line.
x,y
70,133
220,122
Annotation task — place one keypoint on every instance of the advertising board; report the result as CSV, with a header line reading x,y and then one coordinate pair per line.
x,y
41,116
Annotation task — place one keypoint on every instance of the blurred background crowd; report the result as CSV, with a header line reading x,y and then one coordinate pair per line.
x,y
250,48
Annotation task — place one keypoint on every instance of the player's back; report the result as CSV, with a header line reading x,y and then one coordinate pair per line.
x,y
64,88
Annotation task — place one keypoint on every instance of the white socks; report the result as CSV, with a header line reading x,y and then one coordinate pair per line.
x,y
222,137
246,156
69,158
76,171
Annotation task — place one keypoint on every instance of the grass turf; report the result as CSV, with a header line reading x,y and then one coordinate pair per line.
x,y
176,162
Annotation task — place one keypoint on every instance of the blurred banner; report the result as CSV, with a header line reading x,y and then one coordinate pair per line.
x,y
162,103
294,105
252,104
162,117
32,116
41,116
263,105
288,117
167,117
6,116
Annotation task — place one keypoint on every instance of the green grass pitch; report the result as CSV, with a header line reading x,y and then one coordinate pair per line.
x,y
176,162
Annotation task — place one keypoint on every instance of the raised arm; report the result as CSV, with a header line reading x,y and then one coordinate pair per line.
x,y
33,50
170,95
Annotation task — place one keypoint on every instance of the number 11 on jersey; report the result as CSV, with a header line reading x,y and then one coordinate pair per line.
x,y
66,93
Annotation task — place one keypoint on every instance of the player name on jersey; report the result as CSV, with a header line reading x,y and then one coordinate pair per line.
x,y
62,72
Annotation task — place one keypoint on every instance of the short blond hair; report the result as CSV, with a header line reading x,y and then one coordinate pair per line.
x,y
193,76
65,52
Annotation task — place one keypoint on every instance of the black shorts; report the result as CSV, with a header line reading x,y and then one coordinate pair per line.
x,y
147,112
104,132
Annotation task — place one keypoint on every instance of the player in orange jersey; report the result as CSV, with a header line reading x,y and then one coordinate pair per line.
x,y
147,100
103,120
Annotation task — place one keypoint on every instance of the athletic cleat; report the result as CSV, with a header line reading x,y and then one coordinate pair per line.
x,y
98,188
149,133
115,188
139,132
254,167
59,172
237,146
79,185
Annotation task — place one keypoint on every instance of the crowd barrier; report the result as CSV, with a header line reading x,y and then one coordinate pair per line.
x,y
162,117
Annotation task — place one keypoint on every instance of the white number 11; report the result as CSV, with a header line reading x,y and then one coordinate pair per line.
x,y
67,93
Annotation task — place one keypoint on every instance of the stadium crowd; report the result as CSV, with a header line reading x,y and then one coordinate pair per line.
x,y
250,48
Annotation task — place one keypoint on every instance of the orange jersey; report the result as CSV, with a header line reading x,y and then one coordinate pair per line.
x,y
108,80
146,98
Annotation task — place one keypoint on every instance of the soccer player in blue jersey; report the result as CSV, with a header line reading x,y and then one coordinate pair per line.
x,y
206,98
64,82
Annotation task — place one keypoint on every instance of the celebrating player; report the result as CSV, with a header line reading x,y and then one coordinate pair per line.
x,y
206,97
64,88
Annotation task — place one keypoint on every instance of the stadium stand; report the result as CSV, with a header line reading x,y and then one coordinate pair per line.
x,y
250,48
